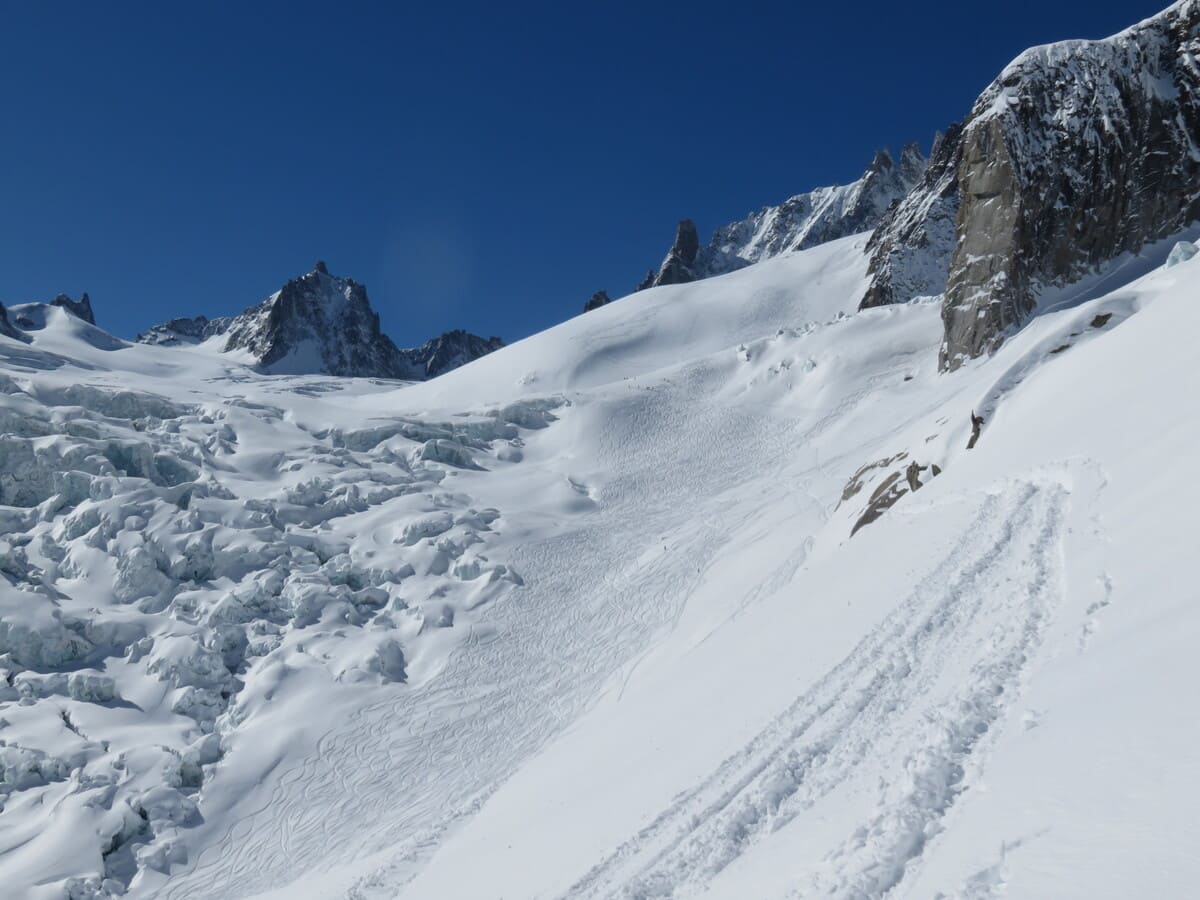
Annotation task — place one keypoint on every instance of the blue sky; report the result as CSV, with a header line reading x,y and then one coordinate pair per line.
x,y
485,166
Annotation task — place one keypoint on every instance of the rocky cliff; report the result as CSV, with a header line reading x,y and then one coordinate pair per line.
x,y
191,330
321,323
802,221
1078,152
446,352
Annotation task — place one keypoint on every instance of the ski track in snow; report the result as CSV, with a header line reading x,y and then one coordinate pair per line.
x,y
927,688
402,771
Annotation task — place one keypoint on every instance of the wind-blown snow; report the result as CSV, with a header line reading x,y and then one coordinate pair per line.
x,y
583,618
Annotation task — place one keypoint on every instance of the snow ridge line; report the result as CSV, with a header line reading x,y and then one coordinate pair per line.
x,y
927,686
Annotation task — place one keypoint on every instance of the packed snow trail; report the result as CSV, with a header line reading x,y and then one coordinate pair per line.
x,y
921,692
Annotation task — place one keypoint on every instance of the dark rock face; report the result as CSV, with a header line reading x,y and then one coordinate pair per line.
x,y
6,327
598,299
322,324
679,266
317,323
446,352
910,250
185,331
802,221
81,308
1077,153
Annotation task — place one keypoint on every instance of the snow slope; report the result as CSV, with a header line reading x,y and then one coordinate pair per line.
x,y
583,618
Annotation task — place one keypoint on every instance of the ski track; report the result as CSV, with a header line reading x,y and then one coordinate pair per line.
x,y
402,771
927,687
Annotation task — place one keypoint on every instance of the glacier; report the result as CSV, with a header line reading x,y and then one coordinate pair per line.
x,y
584,618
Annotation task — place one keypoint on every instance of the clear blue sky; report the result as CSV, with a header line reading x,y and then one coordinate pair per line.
x,y
484,166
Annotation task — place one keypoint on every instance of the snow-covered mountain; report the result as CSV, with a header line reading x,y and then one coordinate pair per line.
x,y
1077,153
802,221
738,587
320,324
186,330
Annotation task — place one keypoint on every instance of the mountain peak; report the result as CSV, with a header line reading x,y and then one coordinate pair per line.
x,y
322,323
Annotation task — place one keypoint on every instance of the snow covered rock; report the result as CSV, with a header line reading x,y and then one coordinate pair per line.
x,y
679,267
910,250
185,330
446,352
322,324
6,327
597,300
804,220
317,323
1078,152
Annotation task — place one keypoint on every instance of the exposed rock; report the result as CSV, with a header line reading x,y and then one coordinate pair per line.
x,y
317,323
883,498
976,426
891,488
599,299
185,331
6,327
1079,152
320,323
802,221
1100,320
859,478
910,251
81,308
446,352
679,266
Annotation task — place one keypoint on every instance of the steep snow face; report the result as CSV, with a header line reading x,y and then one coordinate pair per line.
x,y
802,221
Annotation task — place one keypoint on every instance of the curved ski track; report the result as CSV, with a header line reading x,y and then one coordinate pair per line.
x,y
906,715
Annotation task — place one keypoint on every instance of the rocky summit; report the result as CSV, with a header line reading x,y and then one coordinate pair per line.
x,y
316,323
321,324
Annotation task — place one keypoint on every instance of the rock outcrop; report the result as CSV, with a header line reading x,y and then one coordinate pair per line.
x,y
802,221
1078,152
598,299
6,327
679,267
910,249
81,308
316,323
322,324
185,330
446,352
